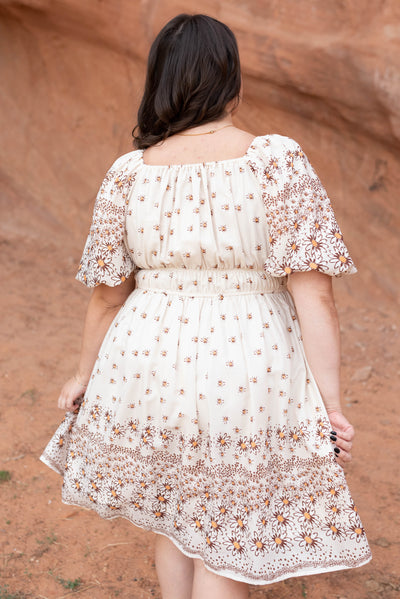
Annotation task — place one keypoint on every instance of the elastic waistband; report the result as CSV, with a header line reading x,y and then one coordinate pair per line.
x,y
209,281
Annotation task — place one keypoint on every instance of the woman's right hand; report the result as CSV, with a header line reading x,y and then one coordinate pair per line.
x,y
344,434
71,392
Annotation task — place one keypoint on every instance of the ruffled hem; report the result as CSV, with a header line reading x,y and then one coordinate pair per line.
x,y
233,574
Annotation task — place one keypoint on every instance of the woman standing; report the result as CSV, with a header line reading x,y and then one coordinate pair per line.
x,y
209,371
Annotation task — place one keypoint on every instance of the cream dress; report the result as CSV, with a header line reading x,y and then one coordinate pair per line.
x,y
202,420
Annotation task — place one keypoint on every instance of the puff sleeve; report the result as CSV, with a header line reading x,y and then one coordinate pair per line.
x,y
303,232
106,257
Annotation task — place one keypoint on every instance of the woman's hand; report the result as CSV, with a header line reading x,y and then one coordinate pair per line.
x,y
71,392
104,304
315,304
342,438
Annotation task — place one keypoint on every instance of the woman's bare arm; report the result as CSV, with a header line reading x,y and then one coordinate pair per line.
x,y
315,305
313,297
103,306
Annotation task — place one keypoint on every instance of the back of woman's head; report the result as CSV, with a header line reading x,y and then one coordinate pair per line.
x,y
193,72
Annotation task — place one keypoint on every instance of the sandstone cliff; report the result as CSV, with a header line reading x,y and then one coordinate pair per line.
x,y
325,73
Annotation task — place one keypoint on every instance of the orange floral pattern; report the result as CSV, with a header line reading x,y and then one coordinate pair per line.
x,y
202,420
105,257
260,523
303,232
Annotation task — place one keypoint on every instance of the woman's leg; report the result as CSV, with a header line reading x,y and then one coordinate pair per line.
x,y
210,585
174,570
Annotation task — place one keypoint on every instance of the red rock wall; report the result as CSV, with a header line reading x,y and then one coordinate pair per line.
x,y
326,73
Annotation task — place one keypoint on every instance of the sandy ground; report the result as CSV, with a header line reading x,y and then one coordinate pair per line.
x,y
49,550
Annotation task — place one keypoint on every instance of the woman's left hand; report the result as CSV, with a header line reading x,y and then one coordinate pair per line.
x,y
71,394
344,435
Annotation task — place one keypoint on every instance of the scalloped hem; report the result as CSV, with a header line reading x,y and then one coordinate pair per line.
x,y
231,574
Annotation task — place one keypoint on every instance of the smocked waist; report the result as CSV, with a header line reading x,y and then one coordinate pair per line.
x,y
209,281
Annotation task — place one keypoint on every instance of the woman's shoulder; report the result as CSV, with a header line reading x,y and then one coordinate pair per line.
x,y
273,143
120,175
271,153
129,161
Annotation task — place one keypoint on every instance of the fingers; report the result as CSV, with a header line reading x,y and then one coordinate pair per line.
x,y
347,434
343,445
343,458
70,396
68,403
341,426
64,402
61,402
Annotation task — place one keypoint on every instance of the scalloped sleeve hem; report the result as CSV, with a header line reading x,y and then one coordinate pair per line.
x,y
303,232
285,268
86,277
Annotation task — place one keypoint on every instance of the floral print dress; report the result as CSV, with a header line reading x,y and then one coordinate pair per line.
x,y
202,420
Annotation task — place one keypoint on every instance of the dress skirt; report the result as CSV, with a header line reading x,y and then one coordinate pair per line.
x,y
202,422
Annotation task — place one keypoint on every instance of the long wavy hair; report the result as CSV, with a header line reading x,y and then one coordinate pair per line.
x,y
193,71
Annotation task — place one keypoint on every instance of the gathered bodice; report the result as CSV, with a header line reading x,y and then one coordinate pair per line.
x,y
207,215
264,210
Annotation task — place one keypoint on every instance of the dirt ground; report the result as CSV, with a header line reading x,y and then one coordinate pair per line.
x,y
71,76
50,550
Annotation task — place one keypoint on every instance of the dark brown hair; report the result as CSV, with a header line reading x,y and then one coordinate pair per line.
x,y
193,71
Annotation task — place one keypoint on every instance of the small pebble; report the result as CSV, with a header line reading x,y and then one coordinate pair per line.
x,y
362,374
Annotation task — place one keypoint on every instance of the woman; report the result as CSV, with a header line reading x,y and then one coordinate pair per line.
x,y
207,415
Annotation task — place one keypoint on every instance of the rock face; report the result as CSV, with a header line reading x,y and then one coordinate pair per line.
x,y
326,73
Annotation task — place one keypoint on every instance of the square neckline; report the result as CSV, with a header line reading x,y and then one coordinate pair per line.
x,y
200,164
